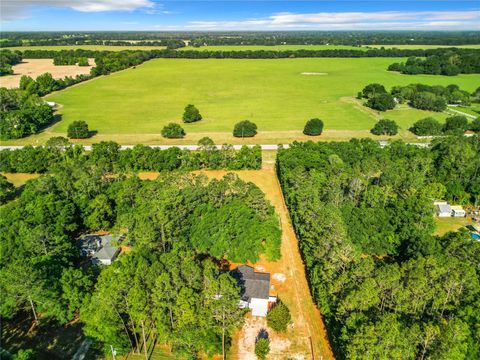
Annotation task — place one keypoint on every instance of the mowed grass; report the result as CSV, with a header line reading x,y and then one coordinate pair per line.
x,y
85,47
271,47
272,92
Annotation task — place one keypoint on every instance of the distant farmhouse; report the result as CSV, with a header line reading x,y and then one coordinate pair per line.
x,y
255,290
99,248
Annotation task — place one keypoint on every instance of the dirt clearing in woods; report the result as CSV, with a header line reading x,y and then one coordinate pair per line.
x,y
36,67
288,282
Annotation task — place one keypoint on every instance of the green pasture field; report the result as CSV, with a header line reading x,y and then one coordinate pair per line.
x,y
271,47
413,46
272,92
84,47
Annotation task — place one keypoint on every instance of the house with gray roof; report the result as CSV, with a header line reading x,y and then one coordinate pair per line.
x,y
444,210
99,248
255,289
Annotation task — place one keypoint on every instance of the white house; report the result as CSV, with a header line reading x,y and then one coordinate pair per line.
x,y
458,211
255,290
444,210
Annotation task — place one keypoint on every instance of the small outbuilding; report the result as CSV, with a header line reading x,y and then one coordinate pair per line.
x,y
444,210
255,290
458,211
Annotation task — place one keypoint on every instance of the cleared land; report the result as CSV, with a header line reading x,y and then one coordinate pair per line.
x,y
475,46
85,47
36,67
444,225
272,92
19,179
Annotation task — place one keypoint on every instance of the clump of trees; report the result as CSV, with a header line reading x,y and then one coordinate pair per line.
x,y
454,125
44,84
22,114
428,126
313,127
7,60
67,59
278,318
191,114
449,64
245,128
386,285
78,130
7,189
173,131
419,96
385,127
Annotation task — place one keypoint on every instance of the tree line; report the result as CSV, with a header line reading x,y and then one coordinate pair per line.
x,y
108,155
247,37
169,287
388,287
448,64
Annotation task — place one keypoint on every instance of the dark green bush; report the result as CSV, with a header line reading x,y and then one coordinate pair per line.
x,y
385,127
245,128
191,114
313,127
173,131
78,130
426,126
279,317
381,102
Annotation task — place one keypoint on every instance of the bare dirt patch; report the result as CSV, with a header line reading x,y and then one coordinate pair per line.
x,y
314,73
36,67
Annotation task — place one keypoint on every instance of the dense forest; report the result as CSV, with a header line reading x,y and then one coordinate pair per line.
x,y
388,287
175,39
449,64
170,285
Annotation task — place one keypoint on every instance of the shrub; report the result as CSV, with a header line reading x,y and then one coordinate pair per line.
x,y
173,131
381,102
428,101
191,114
57,142
279,317
6,189
262,348
245,128
454,124
313,127
78,130
475,125
385,127
427,126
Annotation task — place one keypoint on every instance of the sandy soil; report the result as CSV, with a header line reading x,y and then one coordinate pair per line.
x,y
35,67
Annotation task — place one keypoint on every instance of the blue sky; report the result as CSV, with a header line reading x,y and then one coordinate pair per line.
x,y
123,15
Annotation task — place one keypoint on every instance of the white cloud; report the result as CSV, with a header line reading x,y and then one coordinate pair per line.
x,y
14,9
383,20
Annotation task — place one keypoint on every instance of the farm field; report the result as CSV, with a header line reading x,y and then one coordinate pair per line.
x,y
84,47
36,67
413,46
274,93
271,47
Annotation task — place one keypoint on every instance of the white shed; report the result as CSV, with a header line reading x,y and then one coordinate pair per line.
x,y
458,211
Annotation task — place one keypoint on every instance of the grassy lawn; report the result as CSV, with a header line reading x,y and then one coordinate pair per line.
x,y
19,179
85,47
444,225
274,93
271,47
